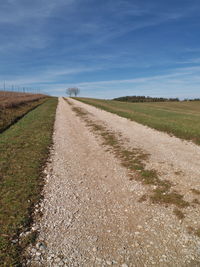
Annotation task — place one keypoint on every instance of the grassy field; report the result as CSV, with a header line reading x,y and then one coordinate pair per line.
x,y
181,119
23,151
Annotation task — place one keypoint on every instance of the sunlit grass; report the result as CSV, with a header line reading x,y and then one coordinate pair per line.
x,y
23,151
181,119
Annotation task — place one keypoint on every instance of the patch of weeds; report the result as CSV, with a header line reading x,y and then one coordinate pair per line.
x,y
197,232
195,191
143,198
178,172
79,111
160,195
195,201
179,214
150,177
69,102
191,230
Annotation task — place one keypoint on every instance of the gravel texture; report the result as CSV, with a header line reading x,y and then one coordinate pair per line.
x,y
91,214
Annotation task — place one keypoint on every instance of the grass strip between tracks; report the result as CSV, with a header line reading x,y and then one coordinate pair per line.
x,y
134,161
23,151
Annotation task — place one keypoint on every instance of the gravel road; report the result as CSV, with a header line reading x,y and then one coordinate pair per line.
x,y
91,213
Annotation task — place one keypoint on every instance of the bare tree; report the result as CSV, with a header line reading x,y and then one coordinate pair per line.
x,y
76,91
73,91
69,92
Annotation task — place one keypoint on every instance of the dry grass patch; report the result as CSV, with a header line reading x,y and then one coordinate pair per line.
x,y
195,191
143,198
179,214
195,201
161,195
191,230
197,232
15,99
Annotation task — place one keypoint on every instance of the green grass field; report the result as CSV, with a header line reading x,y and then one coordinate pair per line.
x,y
23,151
181,119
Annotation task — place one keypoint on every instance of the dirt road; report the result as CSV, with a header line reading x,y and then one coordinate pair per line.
x,y
92,215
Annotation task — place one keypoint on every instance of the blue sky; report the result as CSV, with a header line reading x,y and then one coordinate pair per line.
x,y
107,48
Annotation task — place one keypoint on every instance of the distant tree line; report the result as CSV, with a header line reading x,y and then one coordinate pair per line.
x,y
194,99
144,99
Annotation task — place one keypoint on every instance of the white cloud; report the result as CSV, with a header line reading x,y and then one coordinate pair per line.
x,y
22,10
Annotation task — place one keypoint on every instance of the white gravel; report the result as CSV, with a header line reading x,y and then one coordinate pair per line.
x,y
91,214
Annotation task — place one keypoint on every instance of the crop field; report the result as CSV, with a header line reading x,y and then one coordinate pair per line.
x,y
14,99
15,105
23,151
181,119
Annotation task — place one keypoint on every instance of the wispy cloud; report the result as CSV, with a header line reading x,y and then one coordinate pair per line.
x,y
12,11
48,76
177,82
50,44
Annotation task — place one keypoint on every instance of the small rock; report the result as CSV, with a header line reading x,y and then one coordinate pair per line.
x,y
109,262
14,241
57,260
34,228
41,246
164,256
38,253
33,250
124,265
98,259
37,258
94,249
95,238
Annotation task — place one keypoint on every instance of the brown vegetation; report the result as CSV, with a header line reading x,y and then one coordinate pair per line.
x,y
14,106
14,99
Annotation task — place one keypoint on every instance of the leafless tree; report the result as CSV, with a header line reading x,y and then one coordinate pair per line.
x,y
73,91
76,91
69,92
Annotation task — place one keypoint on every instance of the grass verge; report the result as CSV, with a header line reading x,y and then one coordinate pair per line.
x,y
10,115
134,161
23,151
178,118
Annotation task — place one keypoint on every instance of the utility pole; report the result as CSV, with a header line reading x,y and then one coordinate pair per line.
x,y
4,87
